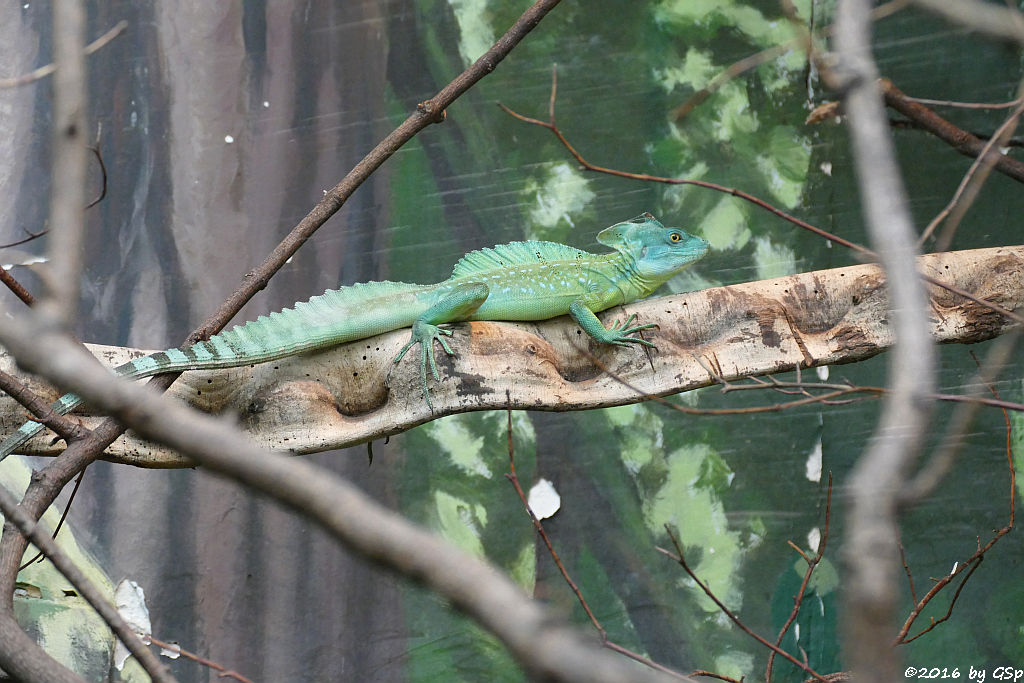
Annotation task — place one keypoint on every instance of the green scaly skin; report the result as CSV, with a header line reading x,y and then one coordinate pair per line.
x,y
515,281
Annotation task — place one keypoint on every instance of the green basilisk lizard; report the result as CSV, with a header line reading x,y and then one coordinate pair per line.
x,y
515,281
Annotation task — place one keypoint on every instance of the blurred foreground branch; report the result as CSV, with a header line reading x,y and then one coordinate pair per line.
x,y
547,648
871,557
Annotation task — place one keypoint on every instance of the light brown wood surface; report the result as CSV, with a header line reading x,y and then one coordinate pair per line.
x,y
353,393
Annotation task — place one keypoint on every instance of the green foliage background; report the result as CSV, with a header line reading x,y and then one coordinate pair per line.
x,y
735,489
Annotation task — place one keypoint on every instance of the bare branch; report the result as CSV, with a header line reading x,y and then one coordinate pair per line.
x,y
222,672
645,177
871,551
44,71
40,536
942,461
48,482
615,647
431,111
19,290
971,184
681,560
803,320
1002,23
959,139
544,645
68,165
812,564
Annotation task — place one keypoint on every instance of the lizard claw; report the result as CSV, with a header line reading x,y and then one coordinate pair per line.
x,y
425,334
620,335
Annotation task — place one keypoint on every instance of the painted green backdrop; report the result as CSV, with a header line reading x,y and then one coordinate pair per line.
x,y
223,122
736,488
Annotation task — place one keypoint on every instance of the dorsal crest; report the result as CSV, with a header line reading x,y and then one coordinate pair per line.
x,y
514,254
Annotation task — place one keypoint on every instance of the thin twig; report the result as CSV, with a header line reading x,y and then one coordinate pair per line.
x,y
103,176
16,287
804,41
824,399
222,672
44,71
863,251
28,238
967,105
974,561
906,570
681,560
587,166
538,525
712,674
39,556
949,446
99,198
970,297
971,184
957,138
650,663
812,564
514,479
427,113
906,124
30,529
970,567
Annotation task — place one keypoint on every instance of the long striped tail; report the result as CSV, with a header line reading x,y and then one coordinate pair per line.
x,y
336,316
209,354
65,404
171,360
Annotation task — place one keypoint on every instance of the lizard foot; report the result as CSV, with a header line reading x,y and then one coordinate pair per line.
x,y
620,335
425,334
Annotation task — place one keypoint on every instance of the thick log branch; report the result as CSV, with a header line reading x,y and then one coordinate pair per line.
x,y
352,393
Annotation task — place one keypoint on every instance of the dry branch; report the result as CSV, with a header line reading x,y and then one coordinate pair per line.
x,y
880,472
341,396
546,646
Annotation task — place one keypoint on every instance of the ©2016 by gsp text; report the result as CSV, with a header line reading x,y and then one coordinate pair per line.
x,y
972,673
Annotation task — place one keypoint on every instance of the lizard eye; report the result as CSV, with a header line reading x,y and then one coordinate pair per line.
x,y
674,237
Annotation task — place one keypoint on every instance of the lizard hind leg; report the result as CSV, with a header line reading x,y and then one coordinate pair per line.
x,y
456,305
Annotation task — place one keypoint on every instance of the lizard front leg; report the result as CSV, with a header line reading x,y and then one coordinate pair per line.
x,y
620,335
457,305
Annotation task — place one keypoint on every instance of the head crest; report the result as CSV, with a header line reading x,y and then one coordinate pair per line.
x,y
620,235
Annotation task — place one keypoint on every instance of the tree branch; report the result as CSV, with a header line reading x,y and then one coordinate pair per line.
x,y
354,393
962,141
1001,23
48,483
69,163
13,514
871,551
546,647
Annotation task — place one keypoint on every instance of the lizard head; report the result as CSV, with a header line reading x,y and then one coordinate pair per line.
x,y
657,252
